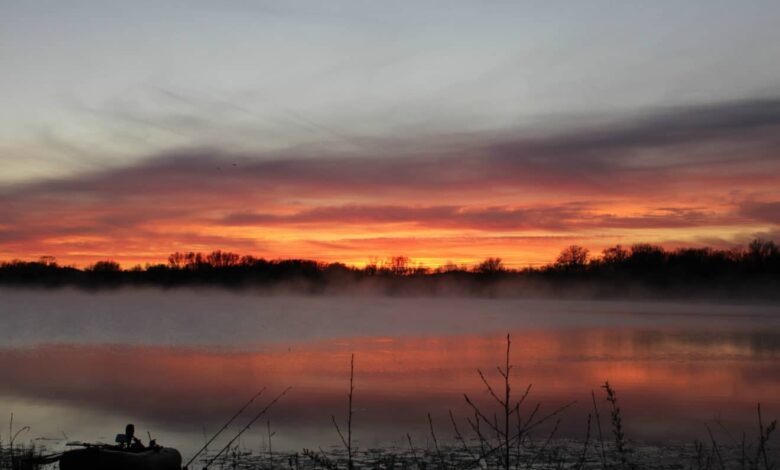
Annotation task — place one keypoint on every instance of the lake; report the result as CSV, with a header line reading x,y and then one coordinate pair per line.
x,y
78,365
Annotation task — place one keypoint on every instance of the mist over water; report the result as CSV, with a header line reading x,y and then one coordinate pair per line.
x,y
180,362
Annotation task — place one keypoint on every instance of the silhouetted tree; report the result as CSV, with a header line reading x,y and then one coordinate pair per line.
x,y
647,253
614,255
222,259
448,267
490,266
48,261
761,249
419,270
647,262
398,265
763,258
107,266
572,258
372,267
190,260
177,260
754,270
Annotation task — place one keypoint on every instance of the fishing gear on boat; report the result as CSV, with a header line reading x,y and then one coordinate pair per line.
x,y
225,426
42,459
248,425
128,453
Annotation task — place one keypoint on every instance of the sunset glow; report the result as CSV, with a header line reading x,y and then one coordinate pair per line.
x,y
347,132
418,234
361,207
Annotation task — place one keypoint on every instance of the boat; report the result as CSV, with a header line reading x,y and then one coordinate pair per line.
x,y
108,457
128,454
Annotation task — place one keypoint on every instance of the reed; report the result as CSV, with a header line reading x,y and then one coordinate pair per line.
x,y
617,427
347,442
501,437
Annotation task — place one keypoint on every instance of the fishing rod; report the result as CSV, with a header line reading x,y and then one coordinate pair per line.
x,y
205,446
248,425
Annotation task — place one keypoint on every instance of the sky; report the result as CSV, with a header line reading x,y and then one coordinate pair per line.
x,y
350,131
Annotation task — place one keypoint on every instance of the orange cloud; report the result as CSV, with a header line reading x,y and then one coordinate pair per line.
x,y
679,176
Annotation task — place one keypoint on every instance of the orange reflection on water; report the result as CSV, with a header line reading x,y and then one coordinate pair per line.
x,y
664,378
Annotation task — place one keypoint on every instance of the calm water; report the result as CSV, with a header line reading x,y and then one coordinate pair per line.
x,y
179,363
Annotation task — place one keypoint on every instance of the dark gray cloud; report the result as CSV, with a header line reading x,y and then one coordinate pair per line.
x,y
691,145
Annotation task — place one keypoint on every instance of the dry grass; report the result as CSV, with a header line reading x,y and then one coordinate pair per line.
x,y
505,435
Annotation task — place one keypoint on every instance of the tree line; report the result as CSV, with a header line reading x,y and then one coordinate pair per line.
x,y
748,269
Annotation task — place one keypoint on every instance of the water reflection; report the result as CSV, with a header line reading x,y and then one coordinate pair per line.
x,y
670,380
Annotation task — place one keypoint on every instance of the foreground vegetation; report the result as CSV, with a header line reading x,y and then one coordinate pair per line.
x,y
753,271
506,433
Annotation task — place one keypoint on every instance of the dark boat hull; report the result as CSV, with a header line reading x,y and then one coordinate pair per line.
x,y
97,458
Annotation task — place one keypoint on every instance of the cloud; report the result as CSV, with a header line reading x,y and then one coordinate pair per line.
x,y
604,174
563,218
762,211
613,156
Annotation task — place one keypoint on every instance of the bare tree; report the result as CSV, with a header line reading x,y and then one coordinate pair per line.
x,y
490,266
572,258
398,265
105,266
